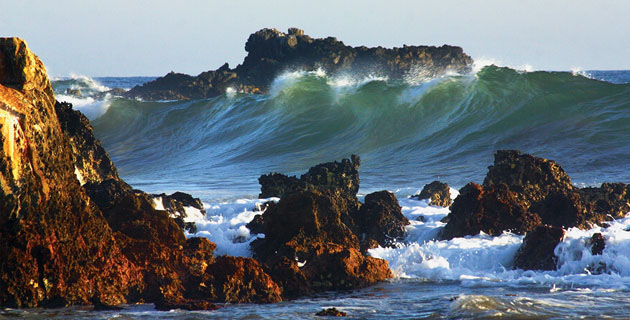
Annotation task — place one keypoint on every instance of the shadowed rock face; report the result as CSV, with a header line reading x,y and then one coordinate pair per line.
x,y
57,247
521,192
336,176
438,193
537,250
61,247
271,52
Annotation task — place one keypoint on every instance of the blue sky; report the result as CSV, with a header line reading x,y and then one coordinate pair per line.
x,y
123,38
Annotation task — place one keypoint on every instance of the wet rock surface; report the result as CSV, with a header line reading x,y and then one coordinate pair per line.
x,y
271,52
521,192
175,204
337,176
314,235
537,250
438,193
331,312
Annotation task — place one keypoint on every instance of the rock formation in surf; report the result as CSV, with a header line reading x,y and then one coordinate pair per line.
x,y
102,243
271,52
438,194
521,192
316,233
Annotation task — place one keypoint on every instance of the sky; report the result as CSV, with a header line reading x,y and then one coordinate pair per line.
x,y
152,38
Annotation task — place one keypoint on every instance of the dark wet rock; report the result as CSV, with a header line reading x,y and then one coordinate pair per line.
x,y
239,280
175,205
92,163
597,244
331,312
609,200
185,304
522,191
257,225
438,193
492,210
537,250
309,244
271,52
380,218
339,176
57,249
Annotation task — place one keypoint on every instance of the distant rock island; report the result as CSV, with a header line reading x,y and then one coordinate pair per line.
x,y
272,52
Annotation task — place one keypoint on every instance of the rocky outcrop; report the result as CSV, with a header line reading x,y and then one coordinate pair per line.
x,y
597,244
271,52
316,233
57,247
175,204
339,176
537,250
331,312
438,193
92,164
521,192
102,243
380,220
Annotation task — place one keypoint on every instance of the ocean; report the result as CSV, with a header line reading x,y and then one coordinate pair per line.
x,y
408,133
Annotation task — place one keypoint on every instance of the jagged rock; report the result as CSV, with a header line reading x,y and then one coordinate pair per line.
x,y
522,191
175,205
257,225
537,250
610,199
342,176
57,249
380,219
308,235
438,193
331,312
492,210
271,52
597,243
238,280
92,164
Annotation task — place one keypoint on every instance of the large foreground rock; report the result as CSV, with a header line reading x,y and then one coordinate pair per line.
x,y
103,242
57,249
521,192
271,52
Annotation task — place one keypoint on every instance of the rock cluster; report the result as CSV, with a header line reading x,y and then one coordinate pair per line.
x,y
533,196
271,52
316,233
438,193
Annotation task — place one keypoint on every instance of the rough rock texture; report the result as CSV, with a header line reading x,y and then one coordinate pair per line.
x,y
438,193
103,243
331,312
175,205
92,164
57,248
342,176
597,243
537,250
309,246
271,52
521,192
380,220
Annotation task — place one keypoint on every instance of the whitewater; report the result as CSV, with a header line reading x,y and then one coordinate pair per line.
x,y
408,133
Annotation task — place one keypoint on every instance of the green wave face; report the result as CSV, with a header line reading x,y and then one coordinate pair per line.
x,y
406,134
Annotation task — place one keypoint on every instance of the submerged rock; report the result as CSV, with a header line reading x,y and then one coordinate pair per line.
x,y
438,193
597,244
271,52
537,250
331,312
339,176
521,192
